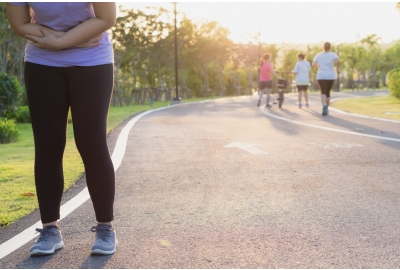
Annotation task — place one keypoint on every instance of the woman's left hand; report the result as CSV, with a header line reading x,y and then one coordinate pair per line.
x,y
48,41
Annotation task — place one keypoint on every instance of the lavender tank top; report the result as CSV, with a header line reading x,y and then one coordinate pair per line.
x,y
63,17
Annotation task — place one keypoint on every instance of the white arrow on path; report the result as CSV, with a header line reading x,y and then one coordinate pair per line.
x,y
249,147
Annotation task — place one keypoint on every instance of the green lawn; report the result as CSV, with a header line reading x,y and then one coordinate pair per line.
x,y
384,107
17,161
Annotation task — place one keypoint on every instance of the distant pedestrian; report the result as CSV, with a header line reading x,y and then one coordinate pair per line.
x,y
326,75
265,79
302,70
69,66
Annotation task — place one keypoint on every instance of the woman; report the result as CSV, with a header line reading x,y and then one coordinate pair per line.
x,y
326,75
302,70
265,79
69,65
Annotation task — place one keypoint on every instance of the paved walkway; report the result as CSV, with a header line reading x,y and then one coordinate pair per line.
x,y
311,198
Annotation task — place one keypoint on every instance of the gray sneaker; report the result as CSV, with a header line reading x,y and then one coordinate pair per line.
x,y
49,241
324,110
105,240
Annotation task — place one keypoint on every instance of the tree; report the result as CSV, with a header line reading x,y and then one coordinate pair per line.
x,y
135,36
12,48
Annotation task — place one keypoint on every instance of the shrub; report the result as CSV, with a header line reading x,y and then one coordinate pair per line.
x,y
394,82
9,93
23,99
8,131
22,115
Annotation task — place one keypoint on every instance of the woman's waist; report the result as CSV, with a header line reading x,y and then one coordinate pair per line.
x,y
105,44
102,54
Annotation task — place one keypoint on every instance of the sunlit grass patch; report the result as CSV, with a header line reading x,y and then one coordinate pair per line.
x,y
384,107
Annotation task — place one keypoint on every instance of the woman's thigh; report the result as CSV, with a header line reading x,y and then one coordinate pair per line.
x,y
46,90
329,87
90,90
323,86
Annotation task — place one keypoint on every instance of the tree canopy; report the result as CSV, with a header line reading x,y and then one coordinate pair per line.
x,y
208,59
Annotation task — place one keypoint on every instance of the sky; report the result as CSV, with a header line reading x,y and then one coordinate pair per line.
x,y
295,22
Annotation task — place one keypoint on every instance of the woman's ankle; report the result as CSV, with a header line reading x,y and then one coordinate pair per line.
x,y
106,223
54,223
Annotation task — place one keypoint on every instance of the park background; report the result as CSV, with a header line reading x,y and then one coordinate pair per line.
x,y
218,56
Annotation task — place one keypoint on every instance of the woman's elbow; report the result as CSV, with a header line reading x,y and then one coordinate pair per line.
x,y
111,21
108,22
106,12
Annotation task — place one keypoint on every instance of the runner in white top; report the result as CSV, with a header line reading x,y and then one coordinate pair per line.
x,y
302,70
326,75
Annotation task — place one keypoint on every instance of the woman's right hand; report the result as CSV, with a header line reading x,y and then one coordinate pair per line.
x,y
91,43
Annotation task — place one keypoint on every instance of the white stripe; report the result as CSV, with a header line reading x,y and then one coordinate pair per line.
x,y
330,129
117,156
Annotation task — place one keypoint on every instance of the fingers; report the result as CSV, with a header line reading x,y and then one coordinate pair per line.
x,y
100,36
32,38
97,39
38,45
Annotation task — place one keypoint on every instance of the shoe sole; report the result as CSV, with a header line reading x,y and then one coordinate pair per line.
x,y
102,252
39,252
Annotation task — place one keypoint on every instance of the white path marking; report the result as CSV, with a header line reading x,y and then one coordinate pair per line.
x,y
249,147
338,145
117,156
330,129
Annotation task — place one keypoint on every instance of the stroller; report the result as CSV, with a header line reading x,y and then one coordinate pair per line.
x,y
281,86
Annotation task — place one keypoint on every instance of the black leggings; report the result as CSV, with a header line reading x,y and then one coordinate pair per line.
x,y
325,86
51,92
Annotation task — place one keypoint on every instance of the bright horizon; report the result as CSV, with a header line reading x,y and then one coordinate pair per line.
x,y
299,23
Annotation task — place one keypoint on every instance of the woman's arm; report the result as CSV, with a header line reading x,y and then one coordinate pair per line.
x,y
20,21
337,61
276,75
92,28
271,70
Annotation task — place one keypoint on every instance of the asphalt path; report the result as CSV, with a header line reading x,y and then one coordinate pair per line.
x,y
319,193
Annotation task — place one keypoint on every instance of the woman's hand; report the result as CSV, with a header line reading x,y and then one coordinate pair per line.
x,y
93,42
49,41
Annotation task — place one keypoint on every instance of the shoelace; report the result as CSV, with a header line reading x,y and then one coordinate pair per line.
x,y
102,232
45,234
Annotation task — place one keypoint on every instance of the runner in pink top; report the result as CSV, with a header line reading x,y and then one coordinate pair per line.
x,y
265,71
265,79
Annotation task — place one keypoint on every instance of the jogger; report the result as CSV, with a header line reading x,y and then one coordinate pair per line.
x,y
302,70
265,79
325,61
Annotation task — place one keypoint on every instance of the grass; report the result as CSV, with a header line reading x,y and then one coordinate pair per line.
x,y
372,106
17,187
